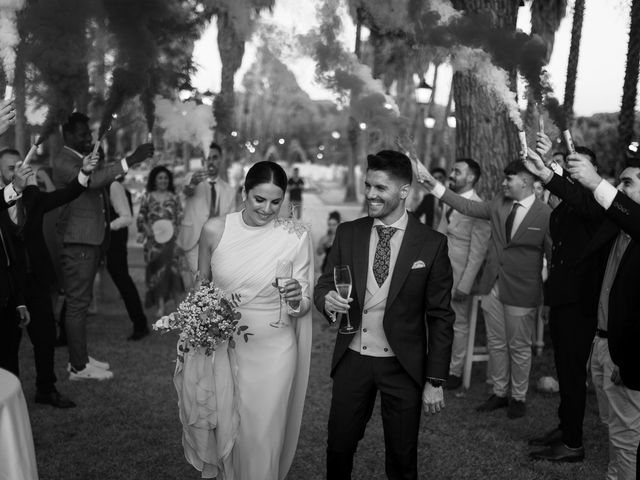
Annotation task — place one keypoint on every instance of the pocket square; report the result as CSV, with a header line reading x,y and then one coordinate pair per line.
x,y
418,264
533,228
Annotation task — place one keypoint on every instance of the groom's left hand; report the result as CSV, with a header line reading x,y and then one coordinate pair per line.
x,y
432,399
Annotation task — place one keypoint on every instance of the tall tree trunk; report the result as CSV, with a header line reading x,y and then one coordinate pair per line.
x,y
574,54
484,131
630,88
353,130
231,47
428,136
22,134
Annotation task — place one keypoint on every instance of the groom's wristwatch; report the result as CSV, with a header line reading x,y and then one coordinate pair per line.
x,y
435,382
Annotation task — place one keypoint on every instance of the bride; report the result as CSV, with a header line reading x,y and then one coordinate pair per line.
x,y
239,253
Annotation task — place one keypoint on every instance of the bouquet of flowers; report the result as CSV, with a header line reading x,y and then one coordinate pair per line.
x,y
205,319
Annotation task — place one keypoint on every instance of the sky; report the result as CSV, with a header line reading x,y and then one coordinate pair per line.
x,y
600,69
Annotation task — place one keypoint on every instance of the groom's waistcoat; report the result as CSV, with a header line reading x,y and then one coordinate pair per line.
x,y
370,339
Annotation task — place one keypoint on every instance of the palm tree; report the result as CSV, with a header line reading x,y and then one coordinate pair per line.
x,y
574,54
630,88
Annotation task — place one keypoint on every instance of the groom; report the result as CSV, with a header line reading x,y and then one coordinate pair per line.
x,y
400,307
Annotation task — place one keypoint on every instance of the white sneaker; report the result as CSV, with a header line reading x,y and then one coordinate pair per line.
x,y
98,363
90,372
95,363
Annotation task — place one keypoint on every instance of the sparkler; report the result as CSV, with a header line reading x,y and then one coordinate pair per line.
x,y
569,141
8,92
30,154
523,143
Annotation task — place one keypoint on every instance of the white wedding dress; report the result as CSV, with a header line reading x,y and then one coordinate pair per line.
x,y
273,366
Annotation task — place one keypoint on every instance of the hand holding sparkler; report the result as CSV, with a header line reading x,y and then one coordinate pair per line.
x,y
89,163
7,115
543,145
582,170
21,178
533,162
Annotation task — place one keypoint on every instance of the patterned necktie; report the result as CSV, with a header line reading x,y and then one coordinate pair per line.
x,y
510,219
383,254
212,209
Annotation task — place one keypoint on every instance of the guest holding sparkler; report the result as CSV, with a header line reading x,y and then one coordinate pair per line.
x,y
158,224
512,279
608,269
83,228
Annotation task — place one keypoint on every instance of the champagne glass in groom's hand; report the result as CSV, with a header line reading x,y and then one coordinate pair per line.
x,y
284,272
342,280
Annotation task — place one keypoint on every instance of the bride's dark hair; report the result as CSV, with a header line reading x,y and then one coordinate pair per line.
x,y
265,172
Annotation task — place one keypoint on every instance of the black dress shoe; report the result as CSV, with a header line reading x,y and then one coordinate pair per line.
x,y
517,409
494,402
559,453
55,399
138,334
550,438
453,382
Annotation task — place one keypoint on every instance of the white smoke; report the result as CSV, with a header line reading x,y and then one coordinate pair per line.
x,y
186,122
444,9
9,37
496,79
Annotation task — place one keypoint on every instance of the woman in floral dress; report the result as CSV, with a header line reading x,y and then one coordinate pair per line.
x,y
158,222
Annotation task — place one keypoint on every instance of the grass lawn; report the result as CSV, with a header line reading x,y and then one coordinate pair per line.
x,y
128,428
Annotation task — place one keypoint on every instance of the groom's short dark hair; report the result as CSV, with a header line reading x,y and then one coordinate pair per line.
x,y
396,164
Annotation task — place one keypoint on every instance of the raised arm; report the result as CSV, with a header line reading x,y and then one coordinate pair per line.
x,y
118,199
465,206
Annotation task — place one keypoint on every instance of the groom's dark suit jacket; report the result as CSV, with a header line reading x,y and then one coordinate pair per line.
x,y
624,298
418,320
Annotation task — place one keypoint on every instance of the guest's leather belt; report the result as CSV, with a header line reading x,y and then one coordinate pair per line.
x,y
602,333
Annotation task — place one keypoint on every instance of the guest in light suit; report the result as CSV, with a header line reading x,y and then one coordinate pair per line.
x,y
207,196
511,281
468,240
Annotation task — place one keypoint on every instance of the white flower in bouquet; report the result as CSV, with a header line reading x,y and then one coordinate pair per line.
x,y
205,319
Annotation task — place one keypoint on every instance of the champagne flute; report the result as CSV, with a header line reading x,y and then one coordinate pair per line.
x,y
342,280
284,272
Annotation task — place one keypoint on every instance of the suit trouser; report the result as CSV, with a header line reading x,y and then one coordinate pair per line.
x,y
509,338
620,410
79,267
356,382
118,268
460,336
9,338
572,337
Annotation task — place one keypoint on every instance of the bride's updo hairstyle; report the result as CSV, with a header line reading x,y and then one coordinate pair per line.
x,y
265,172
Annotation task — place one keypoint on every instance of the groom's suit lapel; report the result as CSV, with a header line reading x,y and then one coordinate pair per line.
x,y
361,237
412,243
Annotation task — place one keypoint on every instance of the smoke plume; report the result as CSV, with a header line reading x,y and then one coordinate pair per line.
x,y
9,37
185,122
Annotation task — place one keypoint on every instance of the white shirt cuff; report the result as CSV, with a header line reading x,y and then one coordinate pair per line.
x,y
605,193
125,165
557,169
10,195
83,179
438,190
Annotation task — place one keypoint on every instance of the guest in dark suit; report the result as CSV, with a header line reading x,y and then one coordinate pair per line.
x,y
511,281
572,331
83,227
401,311
23,222
609,268
430,207
117,257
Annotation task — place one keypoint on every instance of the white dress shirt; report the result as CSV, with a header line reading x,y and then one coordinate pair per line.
x,y
521,212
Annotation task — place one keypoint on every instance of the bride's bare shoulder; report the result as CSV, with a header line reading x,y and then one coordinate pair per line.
x,y
212,231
